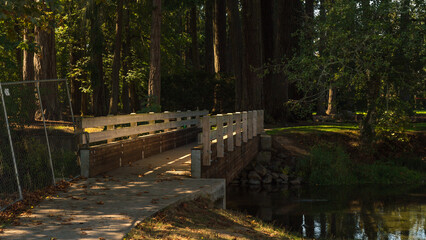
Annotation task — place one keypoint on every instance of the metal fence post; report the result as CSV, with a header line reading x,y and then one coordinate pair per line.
x,y
11,144
45,132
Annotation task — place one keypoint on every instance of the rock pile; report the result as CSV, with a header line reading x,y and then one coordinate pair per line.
x,y
269,167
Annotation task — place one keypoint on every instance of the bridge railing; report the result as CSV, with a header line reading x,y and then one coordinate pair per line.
x,y
95,130
243,125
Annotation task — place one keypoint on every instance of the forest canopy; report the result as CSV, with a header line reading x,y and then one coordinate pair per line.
x,y
290,58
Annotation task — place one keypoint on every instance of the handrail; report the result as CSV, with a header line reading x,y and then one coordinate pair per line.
x,y
245,125
168,121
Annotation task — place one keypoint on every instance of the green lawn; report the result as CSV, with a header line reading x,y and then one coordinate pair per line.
x,y
315,128
343,127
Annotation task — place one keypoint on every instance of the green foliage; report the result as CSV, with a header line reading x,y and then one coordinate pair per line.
x,y
391,126
299,110
370,52
328,164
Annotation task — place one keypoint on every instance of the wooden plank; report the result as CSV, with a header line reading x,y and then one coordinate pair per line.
x,y
250,124
220,146
262,120
254,123
205,122
91,122
237,117
123,132
245,134
230,132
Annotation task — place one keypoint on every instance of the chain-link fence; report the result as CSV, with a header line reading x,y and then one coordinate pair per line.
x,y
37,143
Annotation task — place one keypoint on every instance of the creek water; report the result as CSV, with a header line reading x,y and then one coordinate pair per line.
x,y
342,212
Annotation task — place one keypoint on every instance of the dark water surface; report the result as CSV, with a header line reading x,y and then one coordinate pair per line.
x,y
354,212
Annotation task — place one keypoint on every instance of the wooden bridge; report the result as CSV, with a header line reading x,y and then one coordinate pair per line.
x,y
215,146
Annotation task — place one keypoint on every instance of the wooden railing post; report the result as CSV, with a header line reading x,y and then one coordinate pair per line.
x,y
133,124
110,127
166,120
152,122
230,132
178,119
254,123
250,124
205,122
219,131
245,130
237,116
262,120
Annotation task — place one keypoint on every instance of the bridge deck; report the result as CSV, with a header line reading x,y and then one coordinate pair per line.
x,y
173,163
108,207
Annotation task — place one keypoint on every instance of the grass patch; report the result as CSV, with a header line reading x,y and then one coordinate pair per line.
x,y
198,220
330,164
417,127
314,128
420,111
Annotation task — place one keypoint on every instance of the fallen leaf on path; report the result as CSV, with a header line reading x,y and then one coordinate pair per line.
x,y
85,229
83,233
1,230
141,175
145,192
100,203
101,238
154,201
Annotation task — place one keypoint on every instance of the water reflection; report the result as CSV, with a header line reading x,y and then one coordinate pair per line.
x,y
364,212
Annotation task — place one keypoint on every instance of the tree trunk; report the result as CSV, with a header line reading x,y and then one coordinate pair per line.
x,y
126,61
321,110
219,31
331,108
194,39
236,33
45,68
253,56
268,50
28,58
96,63
76,97
154,86
115,74
208,45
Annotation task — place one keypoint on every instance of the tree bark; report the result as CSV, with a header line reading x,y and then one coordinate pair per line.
x,y
115,74
208,45
219,31
194,38
253,56
154,86
96,63
268,49
45,68
331,108
125,98
235,32
28,57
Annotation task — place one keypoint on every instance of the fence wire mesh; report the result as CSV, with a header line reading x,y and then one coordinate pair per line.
x,y
42,132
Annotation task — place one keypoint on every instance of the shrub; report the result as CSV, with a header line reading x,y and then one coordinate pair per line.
x,y
327,165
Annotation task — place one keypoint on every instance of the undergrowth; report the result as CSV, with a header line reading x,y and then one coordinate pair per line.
x,y
329,164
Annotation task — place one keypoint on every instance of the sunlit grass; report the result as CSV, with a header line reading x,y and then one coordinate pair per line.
x,y
199,220
417,127
315,128
420,111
